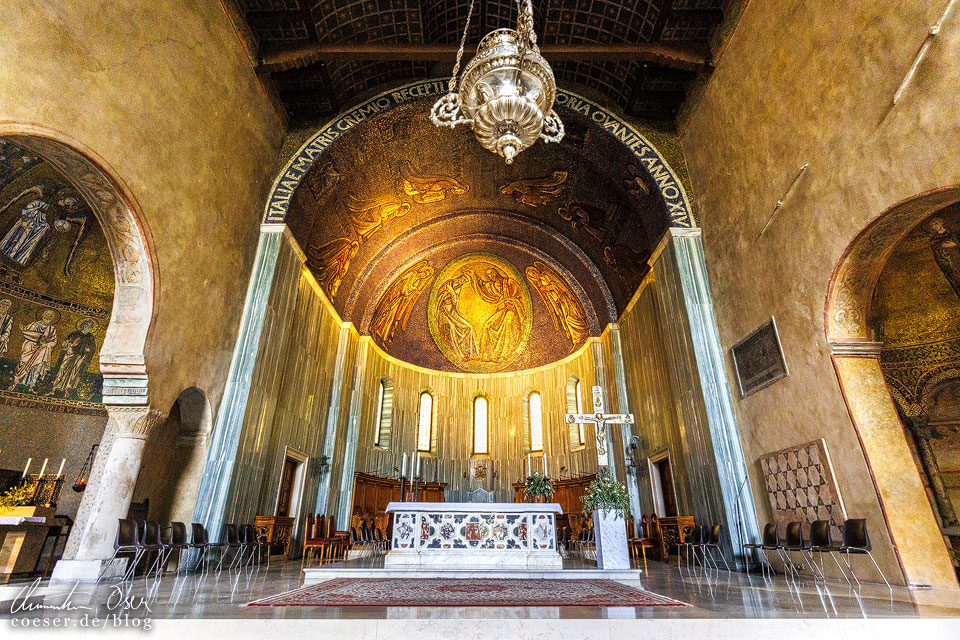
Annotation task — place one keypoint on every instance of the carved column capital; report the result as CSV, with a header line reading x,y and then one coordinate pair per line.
x,y
134,422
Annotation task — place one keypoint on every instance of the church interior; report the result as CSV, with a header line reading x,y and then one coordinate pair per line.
x,y
571,314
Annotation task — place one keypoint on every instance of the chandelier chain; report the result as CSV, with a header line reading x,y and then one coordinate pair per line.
x,y
463,43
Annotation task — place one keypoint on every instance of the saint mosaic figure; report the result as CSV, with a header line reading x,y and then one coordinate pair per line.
x,y
457,332
424,188
369,215
945,245
397,302
32,225
565,309
502,330
331,261
536,191
6,325
75,358
39,340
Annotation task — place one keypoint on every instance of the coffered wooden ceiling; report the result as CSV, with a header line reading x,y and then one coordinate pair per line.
x,y
639,56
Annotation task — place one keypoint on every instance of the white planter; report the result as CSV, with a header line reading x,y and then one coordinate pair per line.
x,y
611,531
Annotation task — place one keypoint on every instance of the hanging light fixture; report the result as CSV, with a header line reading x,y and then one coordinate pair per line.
x,y
506,92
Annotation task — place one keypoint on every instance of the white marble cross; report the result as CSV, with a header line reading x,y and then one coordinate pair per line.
x,y
600,420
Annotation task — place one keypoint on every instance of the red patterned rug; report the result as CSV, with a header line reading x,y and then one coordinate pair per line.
x,y
466,592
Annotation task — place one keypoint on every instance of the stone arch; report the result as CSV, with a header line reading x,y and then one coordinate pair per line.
x,y
872,400
850,291
122,353
660,176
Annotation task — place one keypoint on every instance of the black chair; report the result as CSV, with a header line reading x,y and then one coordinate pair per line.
x,y
151,543
248,542
127,540
770,540
691,543
856,541
199,541
713,542
794,542
822,542
178,543
229,539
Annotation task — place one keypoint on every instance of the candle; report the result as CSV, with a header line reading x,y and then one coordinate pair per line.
x,y
529,467
418,464
60,470
545,472
44,466
403,467
26,468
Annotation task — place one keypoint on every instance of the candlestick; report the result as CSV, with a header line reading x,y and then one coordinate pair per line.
x,y
44,466
29,460
60,470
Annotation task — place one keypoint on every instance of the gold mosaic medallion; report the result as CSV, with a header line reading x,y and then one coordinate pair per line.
x,y
480,313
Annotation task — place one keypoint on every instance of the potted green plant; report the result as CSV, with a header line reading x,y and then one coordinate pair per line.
x,y
609,501
15,500
539,487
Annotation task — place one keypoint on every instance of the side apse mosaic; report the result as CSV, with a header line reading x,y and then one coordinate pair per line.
x,y
56,288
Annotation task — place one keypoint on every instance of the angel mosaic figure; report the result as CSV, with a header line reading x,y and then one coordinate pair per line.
x,y
39,339
565,310
369,215
425,188
536,191
397,302
331,261
585,216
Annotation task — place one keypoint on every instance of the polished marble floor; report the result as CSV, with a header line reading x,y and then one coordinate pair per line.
x,y
711,594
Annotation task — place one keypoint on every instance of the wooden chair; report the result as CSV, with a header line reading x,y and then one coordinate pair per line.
x,y
639,539
310,539
576,526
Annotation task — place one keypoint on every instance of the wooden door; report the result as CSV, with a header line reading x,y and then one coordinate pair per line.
x,y
286,486
666,487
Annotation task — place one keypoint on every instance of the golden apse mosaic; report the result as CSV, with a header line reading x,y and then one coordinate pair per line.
x,y
564,234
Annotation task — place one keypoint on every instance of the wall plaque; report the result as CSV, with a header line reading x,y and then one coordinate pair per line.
x,y
758,359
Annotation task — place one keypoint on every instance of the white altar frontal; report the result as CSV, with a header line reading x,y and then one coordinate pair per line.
x,y
468,535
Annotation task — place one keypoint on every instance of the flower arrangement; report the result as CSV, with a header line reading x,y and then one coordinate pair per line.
x,y
538,485
606,492
17,496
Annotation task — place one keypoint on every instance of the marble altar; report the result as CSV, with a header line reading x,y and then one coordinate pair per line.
x,y
474,535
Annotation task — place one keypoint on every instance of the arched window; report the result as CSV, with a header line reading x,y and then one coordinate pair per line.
x,y
535,413
481,443
425,423
384,423
575,405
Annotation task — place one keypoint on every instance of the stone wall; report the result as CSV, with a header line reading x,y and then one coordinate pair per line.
x,y
813,82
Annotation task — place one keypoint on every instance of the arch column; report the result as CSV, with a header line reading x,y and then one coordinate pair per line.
x,y
109,491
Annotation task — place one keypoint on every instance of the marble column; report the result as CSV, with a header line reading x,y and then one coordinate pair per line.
x,y
921,436
263,323
631,475
107,497
715,462
333,418
345,501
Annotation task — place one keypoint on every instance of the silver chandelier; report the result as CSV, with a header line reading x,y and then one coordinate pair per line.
x,y
506,92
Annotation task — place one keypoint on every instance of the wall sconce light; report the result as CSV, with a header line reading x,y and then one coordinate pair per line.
x,y
81,482
320,464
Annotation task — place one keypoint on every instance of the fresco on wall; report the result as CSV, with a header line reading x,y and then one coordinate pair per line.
x,y
56,288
